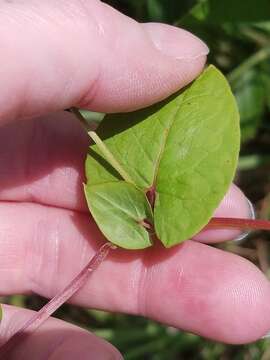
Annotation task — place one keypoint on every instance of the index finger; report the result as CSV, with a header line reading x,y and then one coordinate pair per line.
x,y
187,286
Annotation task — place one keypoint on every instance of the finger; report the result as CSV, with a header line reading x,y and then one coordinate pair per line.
x,y
187,286
87,54
55,339
42,160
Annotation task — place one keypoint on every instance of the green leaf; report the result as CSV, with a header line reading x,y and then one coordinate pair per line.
x,y
1,313
250,95
229,11
120,209
265,76
183,149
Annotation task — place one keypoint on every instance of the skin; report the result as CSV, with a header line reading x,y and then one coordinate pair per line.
x,y
84,53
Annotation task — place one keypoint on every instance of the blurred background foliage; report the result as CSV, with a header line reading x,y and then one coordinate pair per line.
x,y
238,35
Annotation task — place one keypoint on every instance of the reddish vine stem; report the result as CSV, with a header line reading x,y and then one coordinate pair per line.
x,y
46,311
237,223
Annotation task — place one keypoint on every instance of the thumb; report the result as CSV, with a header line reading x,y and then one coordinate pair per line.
x,y
54,340
57,54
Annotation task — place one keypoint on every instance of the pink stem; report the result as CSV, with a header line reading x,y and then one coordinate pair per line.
x,y
44,313
236,223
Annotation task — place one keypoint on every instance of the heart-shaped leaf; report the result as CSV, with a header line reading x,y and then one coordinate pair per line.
x,y
181,154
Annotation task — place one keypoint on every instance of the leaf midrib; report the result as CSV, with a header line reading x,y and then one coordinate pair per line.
x,y
166,138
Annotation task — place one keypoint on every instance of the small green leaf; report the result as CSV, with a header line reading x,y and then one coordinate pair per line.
x,y
120,210
1,313
183,151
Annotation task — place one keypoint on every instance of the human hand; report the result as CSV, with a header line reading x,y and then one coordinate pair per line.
x,y
59,54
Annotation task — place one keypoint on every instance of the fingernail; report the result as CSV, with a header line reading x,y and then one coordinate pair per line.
x,y
174,42
251,215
